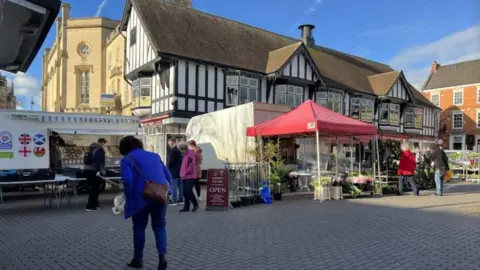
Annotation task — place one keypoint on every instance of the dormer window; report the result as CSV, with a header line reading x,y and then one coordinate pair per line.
x,y
390,114
241,90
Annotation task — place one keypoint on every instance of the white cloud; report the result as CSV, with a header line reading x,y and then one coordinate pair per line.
x,y
457,47
307,12
100,8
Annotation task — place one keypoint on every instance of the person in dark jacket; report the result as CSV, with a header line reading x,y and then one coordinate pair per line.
x,y
136,167
174,163
440,161
93,169
406,169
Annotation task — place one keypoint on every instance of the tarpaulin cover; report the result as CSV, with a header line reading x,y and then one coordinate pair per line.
x,y
310,117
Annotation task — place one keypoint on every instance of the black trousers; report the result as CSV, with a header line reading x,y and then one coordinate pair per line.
x,y
198,189
188,193
94,183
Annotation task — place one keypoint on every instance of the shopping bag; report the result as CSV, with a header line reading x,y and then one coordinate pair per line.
x,y
448,176
119,204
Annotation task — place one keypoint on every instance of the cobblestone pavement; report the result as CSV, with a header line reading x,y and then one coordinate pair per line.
x,y
297,233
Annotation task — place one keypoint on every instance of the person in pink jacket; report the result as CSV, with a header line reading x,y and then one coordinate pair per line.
x,y
188,175
198,162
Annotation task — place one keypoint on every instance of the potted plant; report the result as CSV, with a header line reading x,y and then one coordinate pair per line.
x,y
336,191
275,184
322,189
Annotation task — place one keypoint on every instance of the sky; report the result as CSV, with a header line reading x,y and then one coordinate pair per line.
x,y
406,34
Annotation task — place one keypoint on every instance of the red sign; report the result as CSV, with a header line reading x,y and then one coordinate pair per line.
x,y
217,189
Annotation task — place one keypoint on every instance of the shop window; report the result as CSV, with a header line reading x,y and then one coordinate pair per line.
x,y
288,95
331,100
362,109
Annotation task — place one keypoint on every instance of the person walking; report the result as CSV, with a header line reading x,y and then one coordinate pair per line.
x,y
174,163
136,167
188,174
440,161
198,163
94,161
406,170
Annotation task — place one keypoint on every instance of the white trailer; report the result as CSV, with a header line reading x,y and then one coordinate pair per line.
x,y
24,135
222,134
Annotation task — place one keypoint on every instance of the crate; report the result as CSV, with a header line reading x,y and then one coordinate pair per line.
x,y
8,176
46,174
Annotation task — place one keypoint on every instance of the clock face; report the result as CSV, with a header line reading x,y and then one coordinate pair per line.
x,y
84,50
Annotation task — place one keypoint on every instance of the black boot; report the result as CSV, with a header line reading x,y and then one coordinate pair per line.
x,y
137,264
162,264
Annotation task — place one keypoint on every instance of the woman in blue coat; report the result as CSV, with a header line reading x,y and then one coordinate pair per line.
x,y
137,166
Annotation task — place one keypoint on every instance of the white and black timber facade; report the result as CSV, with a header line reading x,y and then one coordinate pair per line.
x,y
173,81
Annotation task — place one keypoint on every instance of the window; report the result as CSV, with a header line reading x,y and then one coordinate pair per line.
x,y
241,90
413,118
437,122
133,36
289,95
457,120
331,100
141,92
478,118
458,97
85,87
118,56
109,61
478,93
435,99
362,109
390,114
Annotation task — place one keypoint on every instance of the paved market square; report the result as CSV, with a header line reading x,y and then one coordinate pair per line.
x,y
297,233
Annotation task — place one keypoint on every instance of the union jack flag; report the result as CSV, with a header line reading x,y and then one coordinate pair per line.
x,y
25,139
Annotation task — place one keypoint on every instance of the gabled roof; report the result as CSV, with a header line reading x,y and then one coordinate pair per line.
x,y
383,82
278,58
453,75
181,31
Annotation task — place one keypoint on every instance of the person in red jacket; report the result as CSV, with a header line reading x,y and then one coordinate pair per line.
x,y
406,169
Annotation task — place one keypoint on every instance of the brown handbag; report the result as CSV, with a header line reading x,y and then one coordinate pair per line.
x,y
152,191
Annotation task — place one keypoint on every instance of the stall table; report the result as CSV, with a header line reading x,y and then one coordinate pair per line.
x,y
55,188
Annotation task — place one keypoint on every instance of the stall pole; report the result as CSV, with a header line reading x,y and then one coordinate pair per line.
x,y
336,159
318,155
359,158
378,161
351,154
373,161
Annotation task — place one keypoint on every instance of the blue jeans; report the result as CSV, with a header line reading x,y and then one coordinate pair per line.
x,y
177,188
412,184
439,181
140,221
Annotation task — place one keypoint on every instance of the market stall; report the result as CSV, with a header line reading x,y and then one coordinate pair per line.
x,y
313,120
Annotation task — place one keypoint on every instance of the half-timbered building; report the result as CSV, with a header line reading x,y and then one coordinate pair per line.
x,y
183,62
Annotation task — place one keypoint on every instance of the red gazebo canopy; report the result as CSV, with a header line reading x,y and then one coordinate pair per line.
x,y
311,117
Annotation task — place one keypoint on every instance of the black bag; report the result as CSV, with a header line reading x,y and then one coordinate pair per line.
x,y
88,158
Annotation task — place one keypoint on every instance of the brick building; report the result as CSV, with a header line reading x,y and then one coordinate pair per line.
x,y
455,88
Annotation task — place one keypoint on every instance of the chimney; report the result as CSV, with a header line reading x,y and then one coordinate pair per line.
x,y
65,10
306,31
435,66
185,3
